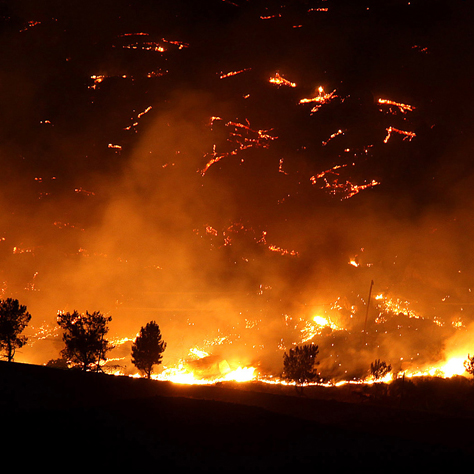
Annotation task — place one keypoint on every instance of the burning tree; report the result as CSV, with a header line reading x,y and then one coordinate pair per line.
x,y
299,365
469,364
84,338
379,369
13,319
148,348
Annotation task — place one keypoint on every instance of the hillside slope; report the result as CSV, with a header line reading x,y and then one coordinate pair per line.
x,y
83,419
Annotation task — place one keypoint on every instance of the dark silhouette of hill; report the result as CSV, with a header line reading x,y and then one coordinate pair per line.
x,y
85,420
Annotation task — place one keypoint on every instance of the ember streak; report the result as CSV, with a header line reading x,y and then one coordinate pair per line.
x,y
241,176
232,73
243,137
321,99
406,134
404,108
281,81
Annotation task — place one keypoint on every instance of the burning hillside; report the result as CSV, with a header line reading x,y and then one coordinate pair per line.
x,y
241,172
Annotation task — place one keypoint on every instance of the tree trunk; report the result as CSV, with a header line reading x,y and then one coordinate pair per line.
x,y
11,351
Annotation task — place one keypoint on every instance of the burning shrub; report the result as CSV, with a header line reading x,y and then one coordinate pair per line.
x,y
469,365
379,369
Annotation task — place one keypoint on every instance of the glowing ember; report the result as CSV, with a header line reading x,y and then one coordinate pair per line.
x,y
243,138
334,135
29,25
406,134
404,108
321,99
395,306
146,46
232,73
349,189
281,81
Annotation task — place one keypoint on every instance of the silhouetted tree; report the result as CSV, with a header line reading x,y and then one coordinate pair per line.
x,y
148,348
13,319
299,365
84,336
379,369
469,365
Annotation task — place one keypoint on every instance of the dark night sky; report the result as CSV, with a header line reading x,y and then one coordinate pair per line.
x,y
124,229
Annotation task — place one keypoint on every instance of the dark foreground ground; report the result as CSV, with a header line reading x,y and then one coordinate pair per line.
x,y
67,420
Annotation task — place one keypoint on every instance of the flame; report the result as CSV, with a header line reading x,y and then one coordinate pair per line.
x,y
453,366
314,327
183,374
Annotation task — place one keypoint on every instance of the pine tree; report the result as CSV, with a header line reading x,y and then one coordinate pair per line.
x,y
148,348
13,319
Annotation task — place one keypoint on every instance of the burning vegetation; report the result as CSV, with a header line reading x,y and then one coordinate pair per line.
x,y
241,179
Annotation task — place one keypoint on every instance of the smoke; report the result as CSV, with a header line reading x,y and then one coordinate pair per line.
x,y
237,260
